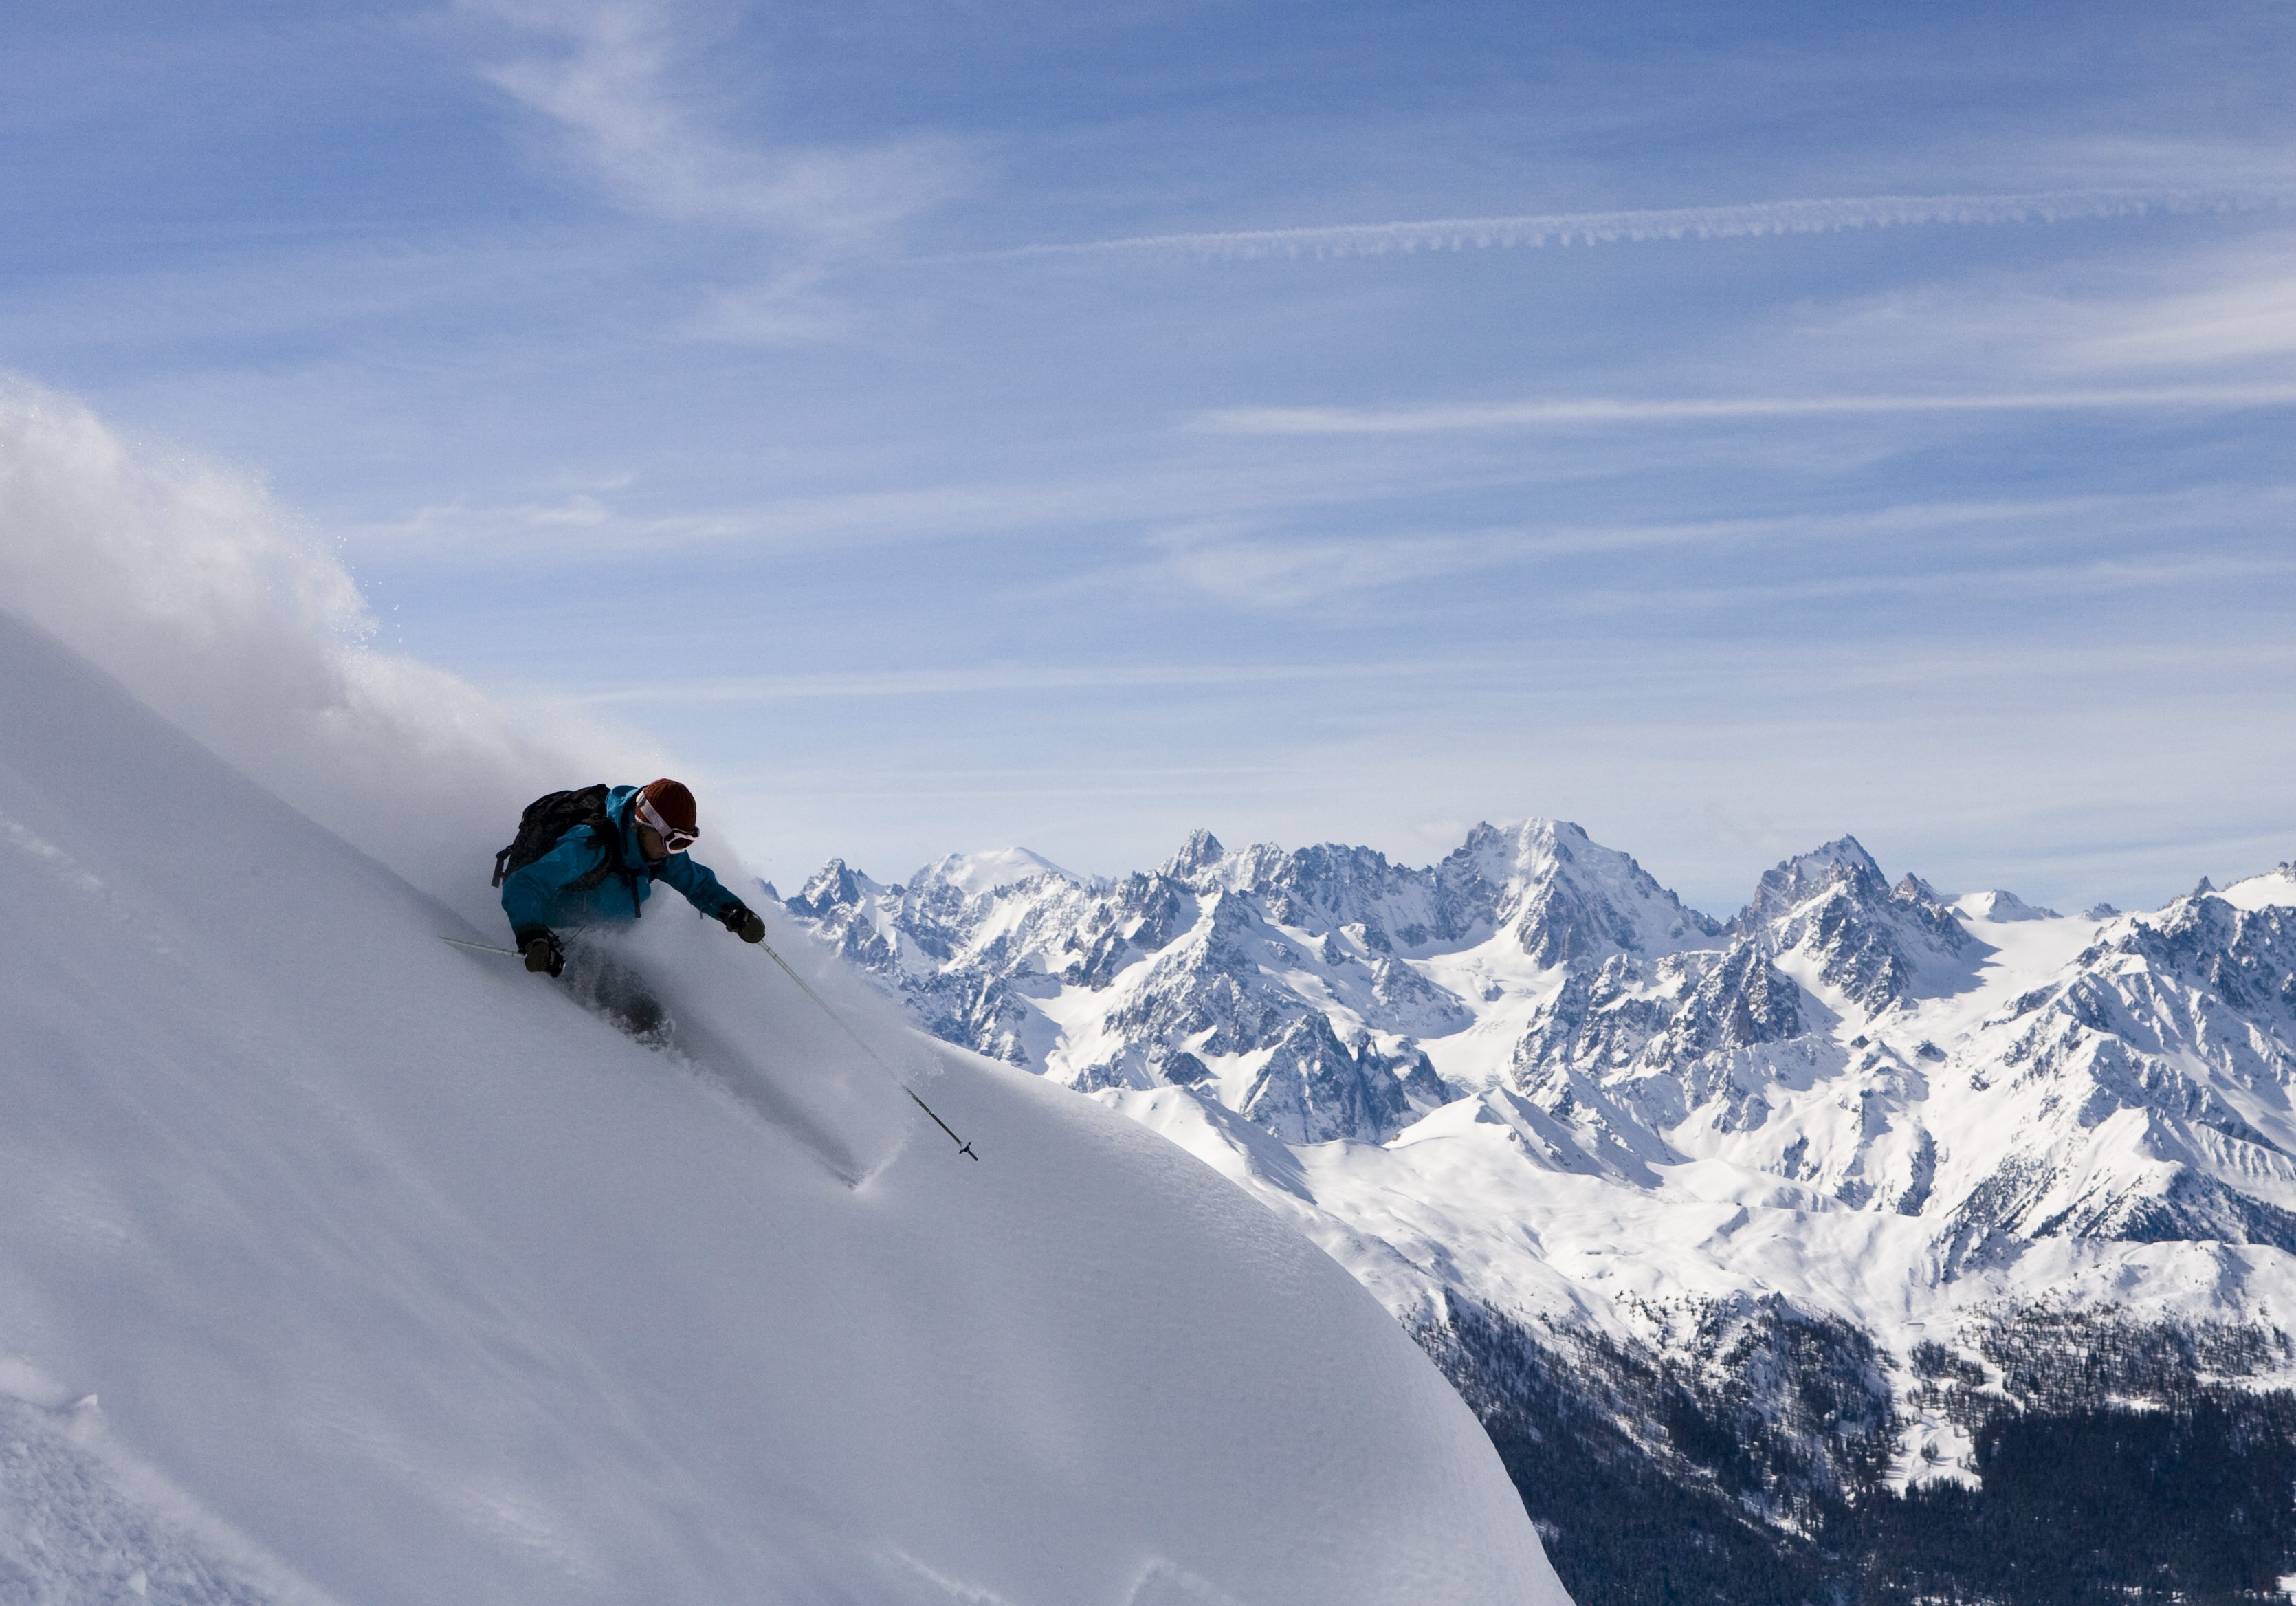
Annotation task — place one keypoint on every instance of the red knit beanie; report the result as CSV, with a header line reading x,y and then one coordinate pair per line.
x,y
673,803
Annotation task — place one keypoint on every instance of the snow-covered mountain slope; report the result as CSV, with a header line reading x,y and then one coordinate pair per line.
x,y
338,1263
1526,1083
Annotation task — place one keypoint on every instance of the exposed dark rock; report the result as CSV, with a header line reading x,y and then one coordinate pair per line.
x,y
1313,1090
1868,940
1739,1003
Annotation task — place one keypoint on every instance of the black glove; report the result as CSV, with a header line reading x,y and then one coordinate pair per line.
x,y
544,956
744,922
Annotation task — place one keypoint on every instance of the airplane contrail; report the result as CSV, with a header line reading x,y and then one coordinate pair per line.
x,y
1539,229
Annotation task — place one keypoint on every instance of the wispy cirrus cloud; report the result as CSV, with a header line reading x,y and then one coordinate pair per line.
x,y
612,87
2215,310
1825,216
1605,410
1273,566
1154,490
994,679
2242,317
1244,568
1767,669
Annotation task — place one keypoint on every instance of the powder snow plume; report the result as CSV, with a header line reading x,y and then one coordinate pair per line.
x,y
185,581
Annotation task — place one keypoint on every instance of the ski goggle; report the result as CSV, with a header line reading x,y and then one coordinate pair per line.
x,y
675,838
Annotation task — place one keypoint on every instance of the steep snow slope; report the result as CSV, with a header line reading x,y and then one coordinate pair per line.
x,y
382,1271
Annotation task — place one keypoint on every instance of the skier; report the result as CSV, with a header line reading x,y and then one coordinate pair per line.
x,y
594,855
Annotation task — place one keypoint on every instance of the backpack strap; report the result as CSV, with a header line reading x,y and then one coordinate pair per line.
x,y
622,868
612,861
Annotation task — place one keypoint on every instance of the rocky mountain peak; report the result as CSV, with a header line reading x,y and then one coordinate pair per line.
x,y
1517,854
1198,853
1564,896
1793,882
834,886
1855,933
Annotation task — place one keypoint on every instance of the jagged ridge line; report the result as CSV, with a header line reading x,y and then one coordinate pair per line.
x,y
1535,230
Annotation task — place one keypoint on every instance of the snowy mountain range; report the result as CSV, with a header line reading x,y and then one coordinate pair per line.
x,y
1804,1205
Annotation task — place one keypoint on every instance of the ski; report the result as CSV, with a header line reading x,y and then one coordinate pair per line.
x,y
761,1098
844,1176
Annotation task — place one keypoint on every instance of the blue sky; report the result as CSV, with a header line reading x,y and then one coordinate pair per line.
x,y
948,425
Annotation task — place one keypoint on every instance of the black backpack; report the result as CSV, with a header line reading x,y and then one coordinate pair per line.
x,y
548,818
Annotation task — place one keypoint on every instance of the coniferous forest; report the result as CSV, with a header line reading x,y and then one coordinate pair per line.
x,y
2189,1496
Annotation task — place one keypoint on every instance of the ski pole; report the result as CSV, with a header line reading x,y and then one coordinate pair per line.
x,y
962,1147
480,947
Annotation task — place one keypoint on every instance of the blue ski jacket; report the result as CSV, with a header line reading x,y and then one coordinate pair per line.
x,y
547,893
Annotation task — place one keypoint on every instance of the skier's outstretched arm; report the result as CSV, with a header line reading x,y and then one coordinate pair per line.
x,y
710,895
